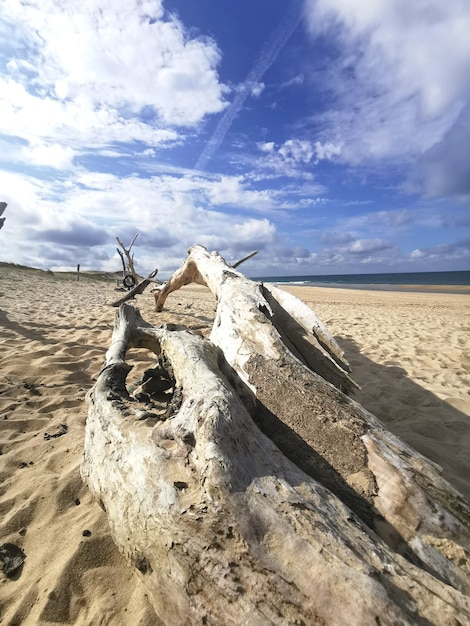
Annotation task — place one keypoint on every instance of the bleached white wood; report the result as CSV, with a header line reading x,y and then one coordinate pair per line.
x,y
284,356
244,303
223,527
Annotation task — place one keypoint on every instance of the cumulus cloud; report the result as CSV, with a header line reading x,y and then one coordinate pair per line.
x,y
267,146
170,212
391,221
400,77
108,85
88,74
258,232
326,151
291,157
338,258
50,155
367,246
257,90
233,191
130,55
335,237
296,151
77,234
456,251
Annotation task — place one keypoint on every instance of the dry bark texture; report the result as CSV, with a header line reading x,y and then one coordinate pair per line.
x,y
249,489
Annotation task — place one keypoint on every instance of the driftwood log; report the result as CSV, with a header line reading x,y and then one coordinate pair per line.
x,y
128,268
252,490
138,289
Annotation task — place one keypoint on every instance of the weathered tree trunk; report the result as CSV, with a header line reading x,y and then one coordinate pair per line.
x,y
285,356
322,518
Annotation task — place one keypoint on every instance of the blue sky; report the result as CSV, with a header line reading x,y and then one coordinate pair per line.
x,y
332,135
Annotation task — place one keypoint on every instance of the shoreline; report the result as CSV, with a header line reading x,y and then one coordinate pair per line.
x,y
451,289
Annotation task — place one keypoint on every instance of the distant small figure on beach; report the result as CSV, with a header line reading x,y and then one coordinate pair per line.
x,y
3,206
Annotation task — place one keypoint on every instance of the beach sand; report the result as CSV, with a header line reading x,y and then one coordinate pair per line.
x,y
409,352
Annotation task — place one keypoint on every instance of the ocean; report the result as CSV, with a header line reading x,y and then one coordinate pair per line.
x,y
375,281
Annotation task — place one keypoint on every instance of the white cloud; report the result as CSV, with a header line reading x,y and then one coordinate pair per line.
x,y
257,90
84,75
456,251
335,237
326,151
110,84
402,77
267,146
22,194
77,123
296,151
291,157
367,246
82,213
218,191
52,155
255,230
231,190
297,80
375,221
119,52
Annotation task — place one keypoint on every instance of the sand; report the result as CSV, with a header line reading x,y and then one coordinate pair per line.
x,y
409,352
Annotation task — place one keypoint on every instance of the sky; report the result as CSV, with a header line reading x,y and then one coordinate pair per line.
x,y
331,135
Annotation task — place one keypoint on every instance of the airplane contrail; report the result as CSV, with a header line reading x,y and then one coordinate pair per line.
x,y
266,58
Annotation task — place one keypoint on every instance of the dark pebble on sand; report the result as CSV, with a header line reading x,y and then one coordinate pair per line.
x,y
12,557
61,430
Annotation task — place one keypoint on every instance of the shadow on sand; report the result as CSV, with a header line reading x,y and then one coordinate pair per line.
x,y
424,421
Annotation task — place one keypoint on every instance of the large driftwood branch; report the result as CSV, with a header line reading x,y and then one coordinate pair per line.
x,y
245,258
129,266
262,308
223,527
286,357
140,288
